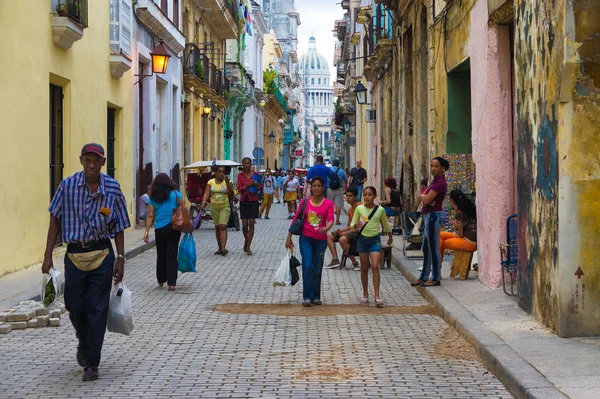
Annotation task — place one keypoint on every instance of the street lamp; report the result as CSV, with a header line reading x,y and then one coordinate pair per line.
x,y
206,110
361,93
213,113
272,137
346,124
160,58
262,103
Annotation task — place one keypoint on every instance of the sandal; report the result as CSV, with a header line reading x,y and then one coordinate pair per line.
x,y
172,288
379,303
431,284
307,304
161,285
364,301
248,252
225,252
417,283
219,253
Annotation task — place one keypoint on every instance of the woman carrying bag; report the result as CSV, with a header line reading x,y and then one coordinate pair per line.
x,y
220,190
248,188
316,214
164,199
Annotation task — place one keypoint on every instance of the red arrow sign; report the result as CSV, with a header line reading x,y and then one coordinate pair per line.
x,y
579,273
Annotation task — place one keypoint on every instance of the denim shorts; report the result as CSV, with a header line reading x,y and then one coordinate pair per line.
x,y
369,244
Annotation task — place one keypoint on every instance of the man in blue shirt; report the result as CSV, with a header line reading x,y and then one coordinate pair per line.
x,y
319,169
279,179
89,209
337,182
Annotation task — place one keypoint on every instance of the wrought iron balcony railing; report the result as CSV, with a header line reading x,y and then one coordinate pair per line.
x,y
195,63
76,10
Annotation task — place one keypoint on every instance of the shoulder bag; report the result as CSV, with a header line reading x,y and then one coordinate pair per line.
x,y
181,221
352,249
296,227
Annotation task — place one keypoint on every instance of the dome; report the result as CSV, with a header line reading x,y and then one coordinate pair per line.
x,y
313,63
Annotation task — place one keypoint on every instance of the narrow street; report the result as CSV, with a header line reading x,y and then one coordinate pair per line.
x,y
181,346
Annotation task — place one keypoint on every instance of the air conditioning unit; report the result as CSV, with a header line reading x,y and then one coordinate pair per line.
x,y
371,116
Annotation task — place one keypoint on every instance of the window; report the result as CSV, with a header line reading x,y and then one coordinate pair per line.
x,y
312,81
319,80
120,26
56,138
110,142
176,13
164,6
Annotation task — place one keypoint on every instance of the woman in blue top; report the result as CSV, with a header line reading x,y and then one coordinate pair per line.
x,y
164,198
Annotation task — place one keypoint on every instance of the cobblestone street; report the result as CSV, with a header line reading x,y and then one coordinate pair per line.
x,y
181,346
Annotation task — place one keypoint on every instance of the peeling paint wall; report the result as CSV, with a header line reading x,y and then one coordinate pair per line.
x,y
538,58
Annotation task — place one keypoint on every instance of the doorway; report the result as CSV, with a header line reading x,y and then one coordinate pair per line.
x,y
459,110
56,138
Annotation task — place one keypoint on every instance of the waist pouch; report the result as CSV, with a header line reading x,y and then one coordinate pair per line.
x,y
88,261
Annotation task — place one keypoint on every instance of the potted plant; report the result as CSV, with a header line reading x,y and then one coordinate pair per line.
x,y
199,70
61,9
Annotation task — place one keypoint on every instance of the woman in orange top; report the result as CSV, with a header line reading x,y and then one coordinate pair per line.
x,y
465,224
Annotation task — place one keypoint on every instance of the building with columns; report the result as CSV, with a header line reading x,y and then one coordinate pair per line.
x,y
318,99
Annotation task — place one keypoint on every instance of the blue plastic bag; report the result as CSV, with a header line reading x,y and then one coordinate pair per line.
x,y
186,259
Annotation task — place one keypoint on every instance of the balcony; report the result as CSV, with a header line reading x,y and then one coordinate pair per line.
x,y
203,77
221,15
379,59
152,16
70,21
346,4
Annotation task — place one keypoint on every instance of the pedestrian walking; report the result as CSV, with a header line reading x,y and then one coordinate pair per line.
x,y
279,179
366,221
337,182
432,211
268,191
392,202
164,199
358,177
248,188
319,169
219,190
290,187
318,219
346,236
89,210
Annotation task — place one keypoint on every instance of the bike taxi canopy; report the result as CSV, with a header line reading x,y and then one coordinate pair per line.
x,y
207,164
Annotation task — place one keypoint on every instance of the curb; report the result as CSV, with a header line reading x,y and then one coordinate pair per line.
x,y
520,377
139,250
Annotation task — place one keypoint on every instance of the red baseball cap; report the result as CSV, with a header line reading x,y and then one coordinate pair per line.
x,y
94,149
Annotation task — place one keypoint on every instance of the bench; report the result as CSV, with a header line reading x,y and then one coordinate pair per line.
x,y
461,264
386,256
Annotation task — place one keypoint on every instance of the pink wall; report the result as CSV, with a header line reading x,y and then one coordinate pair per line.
x,y
492,137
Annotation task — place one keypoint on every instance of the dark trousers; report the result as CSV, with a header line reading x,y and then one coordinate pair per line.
x,y
87,295
313,253
167,243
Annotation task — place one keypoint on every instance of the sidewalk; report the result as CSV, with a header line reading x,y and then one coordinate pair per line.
x,y
25,284
527,357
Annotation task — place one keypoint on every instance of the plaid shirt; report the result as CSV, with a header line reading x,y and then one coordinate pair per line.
x,y
88,217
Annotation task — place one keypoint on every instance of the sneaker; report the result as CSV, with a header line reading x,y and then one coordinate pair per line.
x,y
356,268
420,269
334,264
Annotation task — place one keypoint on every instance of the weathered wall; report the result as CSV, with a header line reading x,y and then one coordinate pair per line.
x,y
579,170
491,88
538,63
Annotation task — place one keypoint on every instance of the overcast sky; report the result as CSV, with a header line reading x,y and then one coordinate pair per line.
x,y
317,17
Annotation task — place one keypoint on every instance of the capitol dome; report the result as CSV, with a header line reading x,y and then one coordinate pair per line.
x,y
313,63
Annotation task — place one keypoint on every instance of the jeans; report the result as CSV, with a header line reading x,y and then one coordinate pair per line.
x,y
431,246
313,253
87,295
360,190
167,243
389,212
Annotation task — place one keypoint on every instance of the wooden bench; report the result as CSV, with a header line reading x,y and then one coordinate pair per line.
x,y
461,264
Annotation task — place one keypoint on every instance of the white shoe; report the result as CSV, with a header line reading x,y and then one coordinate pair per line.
x,y
420,268
356,268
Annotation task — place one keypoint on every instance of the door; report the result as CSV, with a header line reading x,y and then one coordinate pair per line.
x,y
56,142
110,142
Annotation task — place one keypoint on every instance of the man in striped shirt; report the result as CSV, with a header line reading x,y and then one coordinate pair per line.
x,y
90,210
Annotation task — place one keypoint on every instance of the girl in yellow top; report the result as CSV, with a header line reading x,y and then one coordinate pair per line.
x,y
369,243
219,190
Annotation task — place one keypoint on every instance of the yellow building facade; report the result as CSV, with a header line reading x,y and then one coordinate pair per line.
x,y
206,27
47,73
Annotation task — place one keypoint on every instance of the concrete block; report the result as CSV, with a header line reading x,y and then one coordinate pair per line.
x,y
42,311
32,323
18,325
43,321
55,314
5,328
20,316
54,322
3,317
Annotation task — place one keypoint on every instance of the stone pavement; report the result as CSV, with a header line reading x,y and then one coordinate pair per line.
x,y
530,359
182,347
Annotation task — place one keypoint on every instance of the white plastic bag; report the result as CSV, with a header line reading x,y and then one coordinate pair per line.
x,y
283,276
120,311
53,284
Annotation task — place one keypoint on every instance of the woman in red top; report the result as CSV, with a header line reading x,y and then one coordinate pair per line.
x,y
248,189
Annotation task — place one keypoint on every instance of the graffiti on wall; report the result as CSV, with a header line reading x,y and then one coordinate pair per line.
x,y
538,57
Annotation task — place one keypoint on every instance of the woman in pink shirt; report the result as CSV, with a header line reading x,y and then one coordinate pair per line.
x,y
318,219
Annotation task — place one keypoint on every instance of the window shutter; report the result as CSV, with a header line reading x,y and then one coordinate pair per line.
x,y
126,26
115,26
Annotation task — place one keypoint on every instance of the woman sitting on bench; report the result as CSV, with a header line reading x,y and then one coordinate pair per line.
x,y
465,224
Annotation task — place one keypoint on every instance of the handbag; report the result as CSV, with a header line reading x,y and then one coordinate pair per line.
x,y
353,243
181,220
296,227
294,263
231,221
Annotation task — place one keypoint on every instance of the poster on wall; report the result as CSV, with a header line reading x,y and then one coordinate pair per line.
x,y
460,176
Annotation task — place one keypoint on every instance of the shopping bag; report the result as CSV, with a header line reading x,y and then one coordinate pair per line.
x,y
186,259
180,220
294,263
198,220
53,284
120,310
283,276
